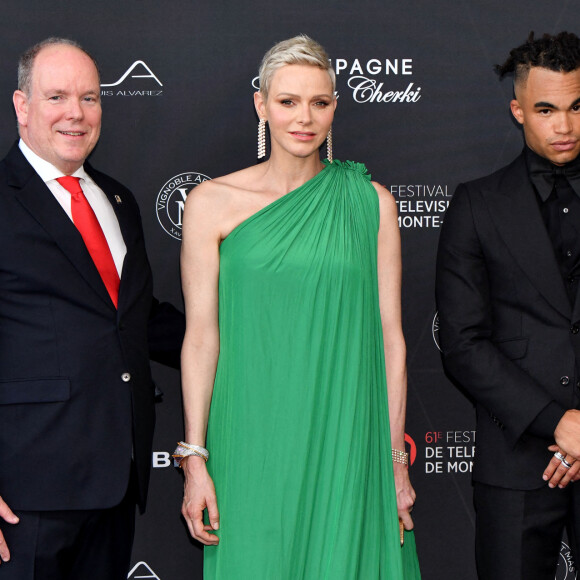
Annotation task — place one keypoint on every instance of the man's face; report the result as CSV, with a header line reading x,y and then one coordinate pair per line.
x,y
548,107
61,118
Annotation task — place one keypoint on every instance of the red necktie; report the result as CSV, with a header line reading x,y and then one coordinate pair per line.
x,y
88,225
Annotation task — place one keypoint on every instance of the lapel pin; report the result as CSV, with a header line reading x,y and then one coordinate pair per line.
x,y
118,199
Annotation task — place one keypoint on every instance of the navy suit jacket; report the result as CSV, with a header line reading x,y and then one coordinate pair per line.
x,y
76,394
509,334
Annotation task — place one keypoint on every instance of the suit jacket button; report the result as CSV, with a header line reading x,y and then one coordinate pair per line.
x,y
574,329
564,381
126,377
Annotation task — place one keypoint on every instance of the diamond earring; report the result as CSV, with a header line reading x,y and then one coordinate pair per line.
x,y
262,138
329,145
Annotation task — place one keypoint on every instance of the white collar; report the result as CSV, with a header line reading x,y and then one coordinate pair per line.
x,y
46,170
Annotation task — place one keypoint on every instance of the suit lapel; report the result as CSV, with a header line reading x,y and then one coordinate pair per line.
x,y
515,212
39,201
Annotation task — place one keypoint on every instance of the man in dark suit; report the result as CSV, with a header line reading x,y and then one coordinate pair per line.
x,y
508,273
76,313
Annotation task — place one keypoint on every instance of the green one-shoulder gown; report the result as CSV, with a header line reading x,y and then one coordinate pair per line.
x,y
298,428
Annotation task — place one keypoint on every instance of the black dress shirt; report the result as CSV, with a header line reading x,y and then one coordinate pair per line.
x,y
558,194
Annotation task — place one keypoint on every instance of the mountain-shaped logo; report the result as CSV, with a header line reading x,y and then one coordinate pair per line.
x,y
139,65
142,571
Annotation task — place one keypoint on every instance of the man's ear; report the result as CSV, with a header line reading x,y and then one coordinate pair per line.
x,y
517,111
20,101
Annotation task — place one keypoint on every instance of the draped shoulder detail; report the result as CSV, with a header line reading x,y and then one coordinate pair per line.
x,y
352,165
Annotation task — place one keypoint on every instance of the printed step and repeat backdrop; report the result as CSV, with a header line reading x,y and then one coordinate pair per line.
x,y
418,102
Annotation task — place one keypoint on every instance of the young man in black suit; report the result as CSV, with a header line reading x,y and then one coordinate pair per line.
x,y
508,273
77,323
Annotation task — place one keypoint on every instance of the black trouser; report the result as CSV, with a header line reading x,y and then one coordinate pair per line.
x,y
71,545
519,533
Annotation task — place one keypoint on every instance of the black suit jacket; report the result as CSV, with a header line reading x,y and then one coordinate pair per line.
x,y
508,332
76,394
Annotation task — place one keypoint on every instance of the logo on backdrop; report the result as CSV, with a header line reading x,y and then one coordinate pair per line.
x,y
435,330
421,205
379,80
450,451
171,200
141,571
148,84
161,459
566,567
412,448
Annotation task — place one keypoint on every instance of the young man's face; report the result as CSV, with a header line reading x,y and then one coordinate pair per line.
x,y
547,105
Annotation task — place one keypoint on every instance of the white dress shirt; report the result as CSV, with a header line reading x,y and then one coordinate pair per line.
x,y
94,194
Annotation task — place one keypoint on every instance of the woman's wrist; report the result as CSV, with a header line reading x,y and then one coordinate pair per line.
x,y
184,450
192,462
400,456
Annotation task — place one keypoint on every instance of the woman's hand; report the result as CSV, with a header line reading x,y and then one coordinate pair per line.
x,y
199,494
405,494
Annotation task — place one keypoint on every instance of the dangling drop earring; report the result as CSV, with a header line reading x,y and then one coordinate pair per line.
x,y
262,138
329,145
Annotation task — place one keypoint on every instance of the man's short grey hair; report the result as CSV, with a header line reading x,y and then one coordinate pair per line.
x,y
26,61
300,49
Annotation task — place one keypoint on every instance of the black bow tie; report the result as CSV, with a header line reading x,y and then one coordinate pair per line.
x,y
543,173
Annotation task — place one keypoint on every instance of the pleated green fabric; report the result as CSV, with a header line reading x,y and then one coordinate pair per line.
x,y
298,428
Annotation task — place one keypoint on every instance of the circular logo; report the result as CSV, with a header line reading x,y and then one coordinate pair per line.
x,y
412,448
171,200
566,568
435,330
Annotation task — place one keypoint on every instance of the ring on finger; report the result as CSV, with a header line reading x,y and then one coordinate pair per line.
x,y
566,464
559,456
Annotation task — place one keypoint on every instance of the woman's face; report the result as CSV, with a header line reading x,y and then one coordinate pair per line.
x,y
299,109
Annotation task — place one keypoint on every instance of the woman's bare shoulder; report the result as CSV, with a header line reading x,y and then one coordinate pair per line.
x,y
220,189
387,203
226,185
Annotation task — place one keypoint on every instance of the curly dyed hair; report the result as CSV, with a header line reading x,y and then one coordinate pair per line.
x,y
559,53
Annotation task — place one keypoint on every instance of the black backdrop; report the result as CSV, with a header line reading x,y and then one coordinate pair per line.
x,y
418,103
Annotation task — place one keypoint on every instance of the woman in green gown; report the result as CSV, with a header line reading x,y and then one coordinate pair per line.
x,y
293,364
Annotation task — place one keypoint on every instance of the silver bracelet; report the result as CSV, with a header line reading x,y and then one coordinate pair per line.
x,y
184,450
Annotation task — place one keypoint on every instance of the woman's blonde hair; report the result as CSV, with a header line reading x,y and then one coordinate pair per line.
x,y
300,49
